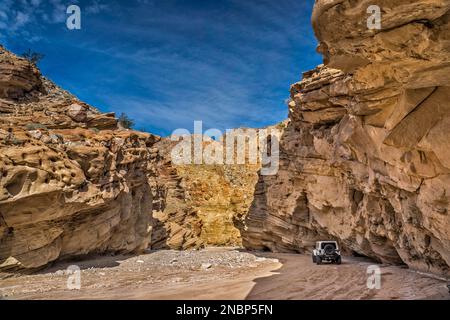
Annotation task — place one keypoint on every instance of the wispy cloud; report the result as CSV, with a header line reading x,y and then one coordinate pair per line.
x,y
96,7
168,63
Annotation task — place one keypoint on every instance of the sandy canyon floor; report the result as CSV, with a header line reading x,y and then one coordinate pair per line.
x,y
220,274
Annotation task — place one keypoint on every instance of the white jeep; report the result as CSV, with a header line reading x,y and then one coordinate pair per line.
x,y
326,251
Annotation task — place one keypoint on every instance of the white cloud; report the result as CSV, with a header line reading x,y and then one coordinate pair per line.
x,y
36,3
96,7
59,12
22,18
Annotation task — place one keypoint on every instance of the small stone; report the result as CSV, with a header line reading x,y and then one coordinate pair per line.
x,y
77,113
206,266
36,134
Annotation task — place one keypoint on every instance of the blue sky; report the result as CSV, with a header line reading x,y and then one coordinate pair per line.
x,y
166,63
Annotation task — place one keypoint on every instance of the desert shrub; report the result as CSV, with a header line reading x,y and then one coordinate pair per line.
x,y
16,142
126,121
281,126
32,56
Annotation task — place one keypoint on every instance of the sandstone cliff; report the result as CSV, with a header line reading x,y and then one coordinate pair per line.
x,y
364,159
70,183
200,205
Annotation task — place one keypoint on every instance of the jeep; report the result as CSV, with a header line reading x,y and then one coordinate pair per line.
x,y
326,251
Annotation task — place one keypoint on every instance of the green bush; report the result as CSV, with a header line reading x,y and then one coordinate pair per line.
x,y
33,57
16,142
126,121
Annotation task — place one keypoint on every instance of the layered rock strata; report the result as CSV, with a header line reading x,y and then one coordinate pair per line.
x,y
71,184
200,205
364,159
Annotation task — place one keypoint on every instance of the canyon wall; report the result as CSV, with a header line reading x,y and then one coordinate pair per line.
x,y
71,183
364,159
200,205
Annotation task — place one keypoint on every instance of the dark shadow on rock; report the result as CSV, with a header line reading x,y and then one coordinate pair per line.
x,y
85,262
159,235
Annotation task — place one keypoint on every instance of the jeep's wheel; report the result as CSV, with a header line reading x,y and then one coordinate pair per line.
x,y
314,258
329,249
339,260
318,260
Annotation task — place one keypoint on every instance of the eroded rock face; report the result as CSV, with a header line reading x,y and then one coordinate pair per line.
x,y
176,223
222,196
364,159
200,205
18,77
71,184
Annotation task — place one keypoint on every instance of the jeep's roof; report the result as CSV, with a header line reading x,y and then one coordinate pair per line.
x,y
331,241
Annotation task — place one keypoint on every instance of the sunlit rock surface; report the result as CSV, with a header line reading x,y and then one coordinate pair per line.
x,y
71,184
365,157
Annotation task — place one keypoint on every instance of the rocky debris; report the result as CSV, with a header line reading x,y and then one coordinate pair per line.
x,y
204,259
78,113
71,184
154,269
206,266
364,159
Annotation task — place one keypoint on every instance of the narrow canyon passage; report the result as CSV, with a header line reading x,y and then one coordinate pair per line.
x,y
361,157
